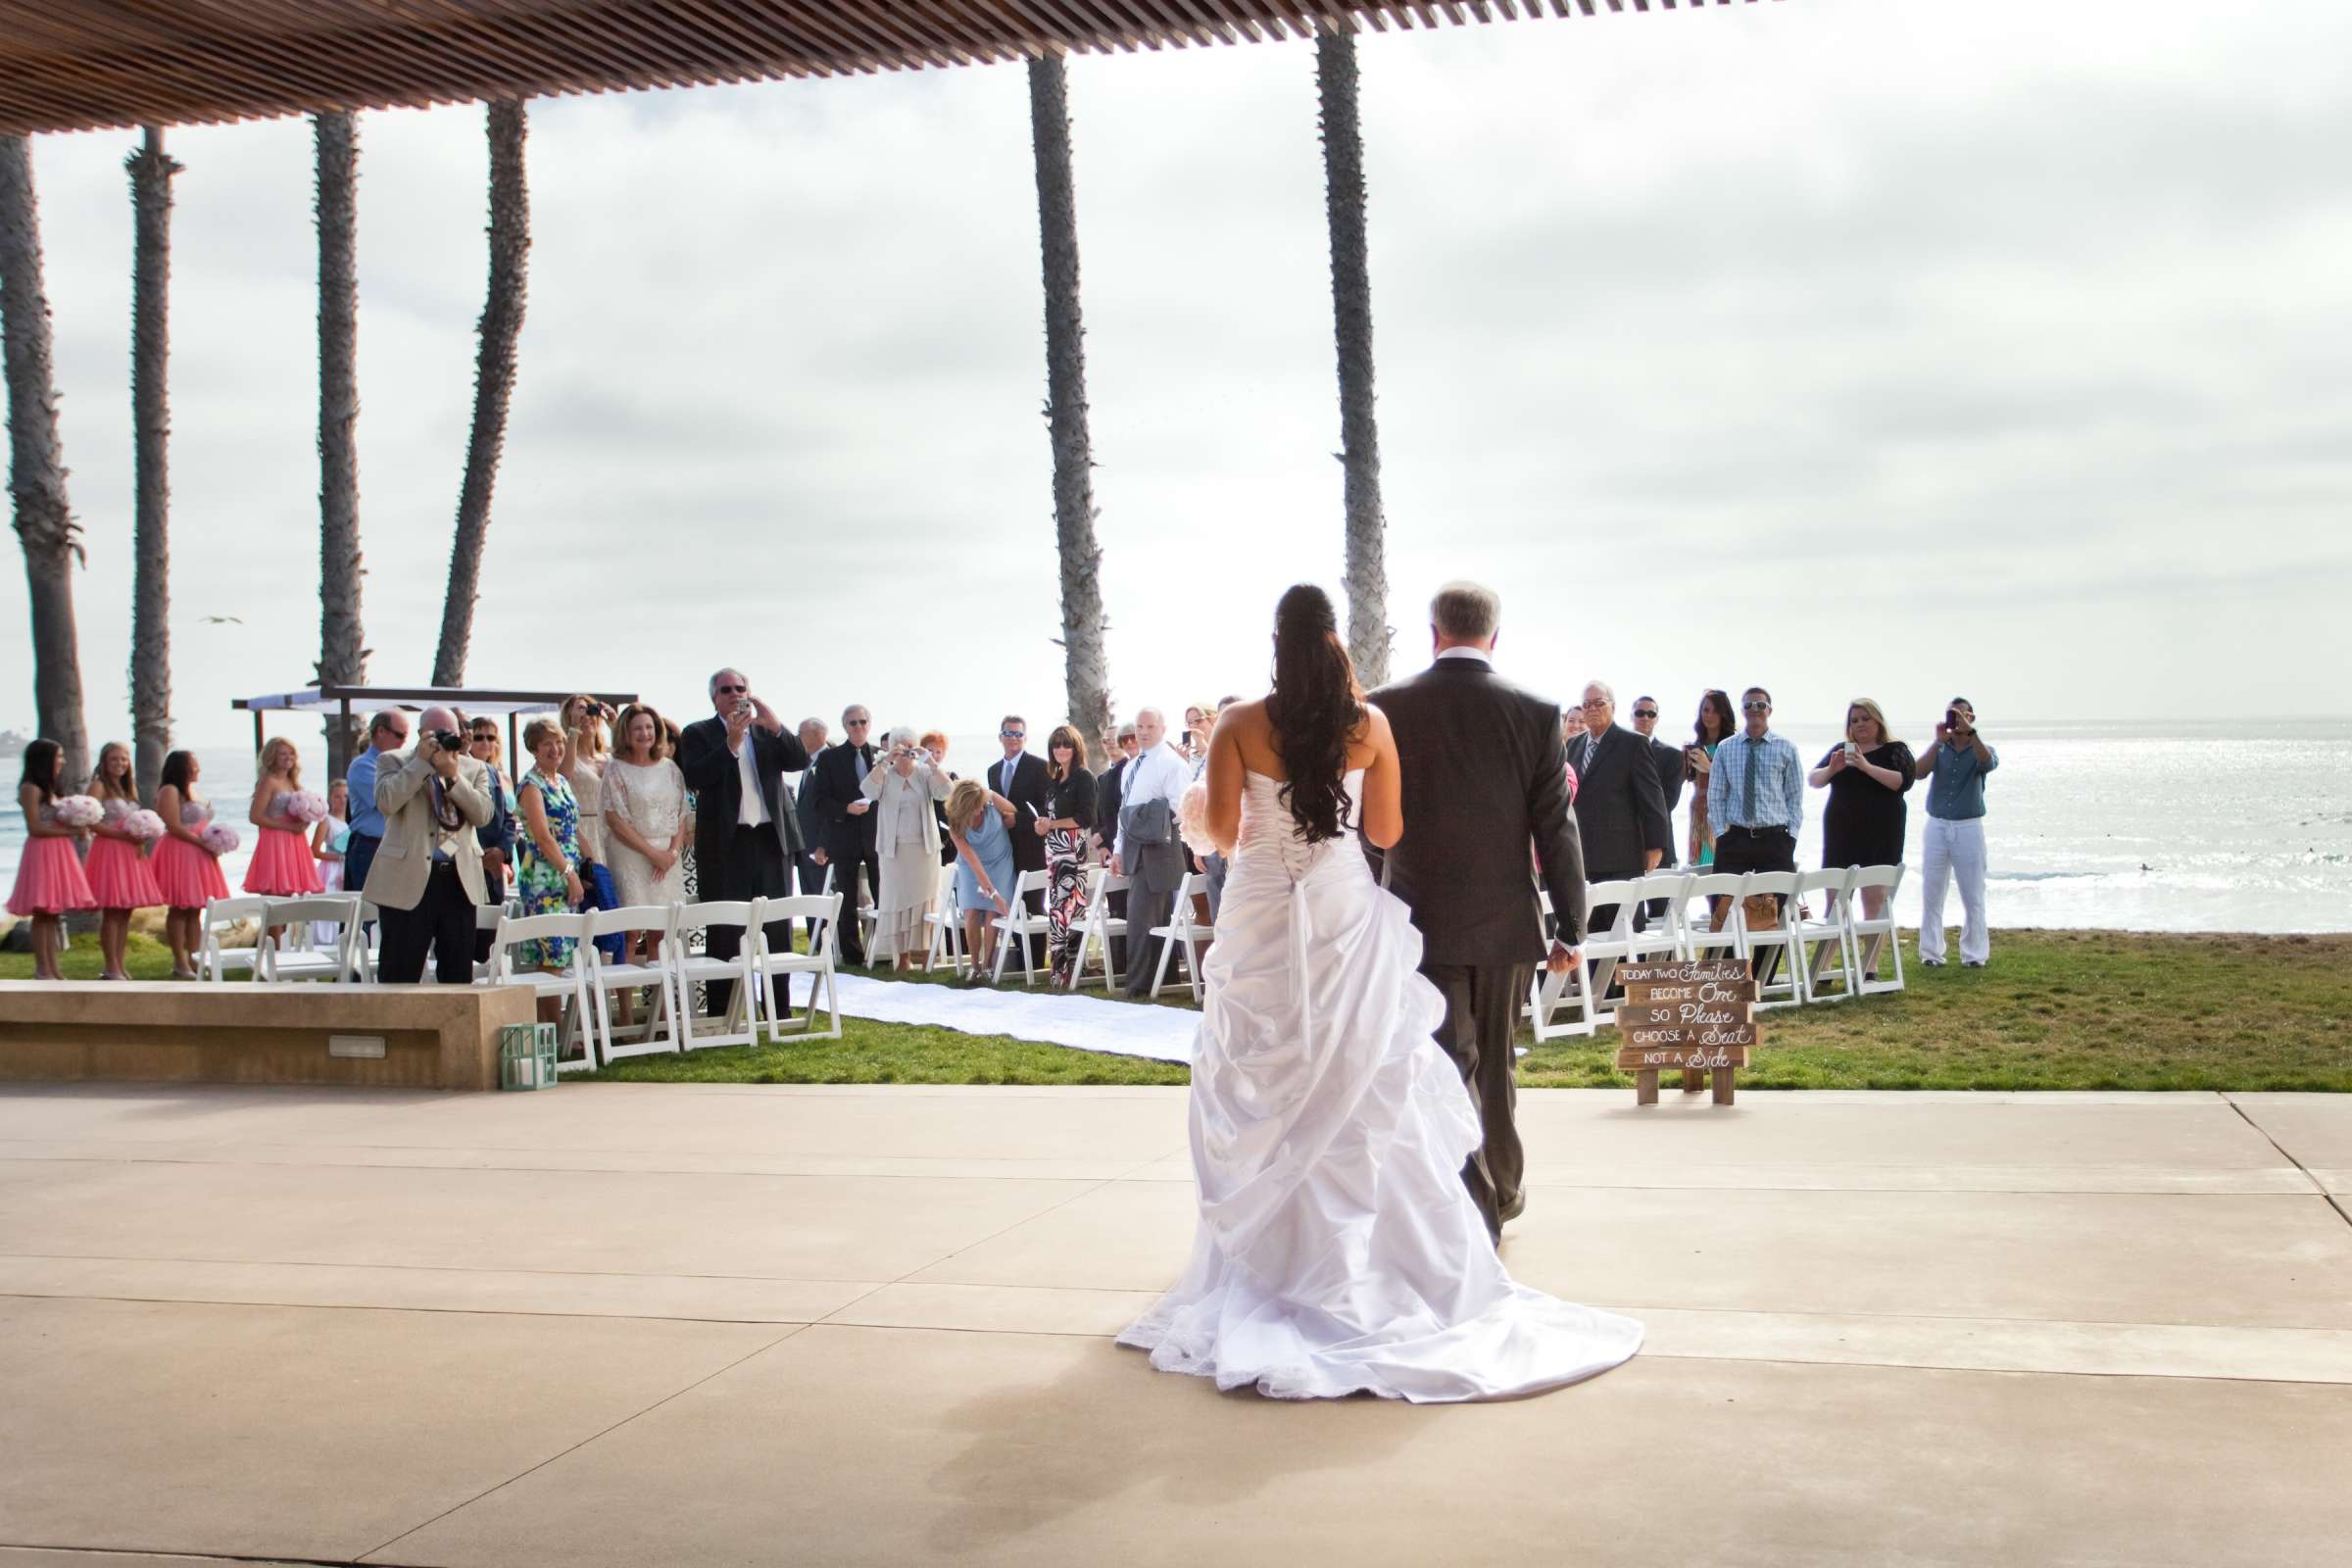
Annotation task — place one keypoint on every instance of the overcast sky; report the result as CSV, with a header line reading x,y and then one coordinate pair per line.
x,y
1893,347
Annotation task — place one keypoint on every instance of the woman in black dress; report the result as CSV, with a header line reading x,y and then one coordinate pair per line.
x,y
1070,797
1867,778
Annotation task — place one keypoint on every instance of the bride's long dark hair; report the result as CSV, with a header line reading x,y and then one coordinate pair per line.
x,y
1315,707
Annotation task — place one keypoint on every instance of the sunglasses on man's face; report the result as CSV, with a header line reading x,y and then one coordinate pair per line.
x,y
733,691
1646,712
1014,734
856,723
1755,708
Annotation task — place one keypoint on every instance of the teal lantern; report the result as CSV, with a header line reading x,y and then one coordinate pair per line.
x,y
526,1056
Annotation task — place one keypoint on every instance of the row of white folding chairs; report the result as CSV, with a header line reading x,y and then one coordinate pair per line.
x,y
1182,937
1844,943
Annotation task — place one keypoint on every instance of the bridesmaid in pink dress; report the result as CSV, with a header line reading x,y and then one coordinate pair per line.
x,y
120,880
282,864
188,873
49,879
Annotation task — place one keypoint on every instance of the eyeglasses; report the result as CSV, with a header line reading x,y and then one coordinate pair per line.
x,y
1593,704
856,723
1646,712
1014,734
1755,708
732,691
482,740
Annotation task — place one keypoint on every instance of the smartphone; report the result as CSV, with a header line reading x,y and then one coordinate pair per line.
x,y
1951,719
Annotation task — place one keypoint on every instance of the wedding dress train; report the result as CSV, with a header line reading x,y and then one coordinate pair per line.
x,y
1338,1250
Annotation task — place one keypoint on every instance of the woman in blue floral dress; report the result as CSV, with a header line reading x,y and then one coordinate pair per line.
x,y
547,857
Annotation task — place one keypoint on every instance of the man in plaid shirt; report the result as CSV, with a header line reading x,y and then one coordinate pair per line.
x,y
1756,794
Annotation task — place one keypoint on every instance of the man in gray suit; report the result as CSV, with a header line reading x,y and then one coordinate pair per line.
x,y
1148,849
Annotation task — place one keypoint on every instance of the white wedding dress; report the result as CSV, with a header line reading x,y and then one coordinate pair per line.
x,y
1338,1250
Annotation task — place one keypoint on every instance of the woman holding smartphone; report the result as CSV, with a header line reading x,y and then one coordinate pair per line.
x,y
1867,777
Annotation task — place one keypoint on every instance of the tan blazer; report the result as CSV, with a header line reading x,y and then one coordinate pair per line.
x,y
396,878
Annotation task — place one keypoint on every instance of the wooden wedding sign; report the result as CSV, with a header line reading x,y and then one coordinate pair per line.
x,y
1695,1015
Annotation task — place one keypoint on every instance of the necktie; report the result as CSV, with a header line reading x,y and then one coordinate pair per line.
x,y
1591,745
1748,784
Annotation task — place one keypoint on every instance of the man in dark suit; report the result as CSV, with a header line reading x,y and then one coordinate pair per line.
x,y
1109,789
809,862
1021,779
1483,778
1620,810
1671,766
744,834
847,819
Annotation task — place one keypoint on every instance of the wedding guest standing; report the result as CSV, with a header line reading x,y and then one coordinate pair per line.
x,y
427,882
744,835
1716,722
1756,794
547,855
1020,778
838,780
49,875
187,872
330,837
645,820
980,827
282,864
1867,775
120,879
1069,817
809,859
585,753
1108,788
1669,761
495,836
387,731
1954,848
1572,730
1147,850
1620,812
904,790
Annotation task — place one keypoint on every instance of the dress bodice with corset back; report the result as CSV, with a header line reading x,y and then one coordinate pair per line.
x,y
1271,836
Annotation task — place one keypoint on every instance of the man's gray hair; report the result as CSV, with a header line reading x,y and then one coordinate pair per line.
x,y
854,707
812,722
720,674
1154,712
1466,612
1606,691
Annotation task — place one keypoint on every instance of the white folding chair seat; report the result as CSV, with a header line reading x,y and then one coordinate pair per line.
x,y
1018,924
1867,935
657,1033
1665,935
1100,926
1581,988
303,962
689,968
570,983
1182,932
946,921
221,918
823,912
1826,936
1700,937
1787,988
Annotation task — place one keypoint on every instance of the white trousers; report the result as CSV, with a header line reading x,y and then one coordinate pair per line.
x,y
1956,851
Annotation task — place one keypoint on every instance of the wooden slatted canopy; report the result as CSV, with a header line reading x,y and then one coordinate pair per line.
x,y
88,65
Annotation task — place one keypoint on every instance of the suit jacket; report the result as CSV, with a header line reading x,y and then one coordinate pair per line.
x,y
1107,803
1028,787
1483,777
404,860
1620,810
1670,762
715,775
803,816
831,785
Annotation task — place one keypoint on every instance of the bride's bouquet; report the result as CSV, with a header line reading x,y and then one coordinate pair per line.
x,y
306,806
142,825
78,811
1192,820
220,837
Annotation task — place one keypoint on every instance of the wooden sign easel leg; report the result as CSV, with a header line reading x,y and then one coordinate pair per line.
x,y
1723,1086
1646,1087
1694,1080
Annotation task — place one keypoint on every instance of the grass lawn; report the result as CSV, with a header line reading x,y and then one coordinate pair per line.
x,y
2057,1009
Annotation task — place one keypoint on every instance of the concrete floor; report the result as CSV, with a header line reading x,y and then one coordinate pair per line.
x,y
619,1324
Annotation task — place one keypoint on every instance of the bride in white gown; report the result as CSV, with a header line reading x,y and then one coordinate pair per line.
x,y
1338,1250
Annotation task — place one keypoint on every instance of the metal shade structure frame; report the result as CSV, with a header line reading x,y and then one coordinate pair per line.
x,y
474,702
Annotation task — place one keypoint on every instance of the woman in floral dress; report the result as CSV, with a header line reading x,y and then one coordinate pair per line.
x,y
547,860
1070,797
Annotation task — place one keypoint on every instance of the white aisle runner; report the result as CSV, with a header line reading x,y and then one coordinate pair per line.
x,y
1049,1017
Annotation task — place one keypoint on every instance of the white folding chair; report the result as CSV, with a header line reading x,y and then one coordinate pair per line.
x,y
1100,926
1700,937
367,947
1185,932
1866,934
303,962
946,921
657,1033
1828,933
569,983
1584,984
822,911
1018,924
221,917
1786,989
689,968
1664,935
1547,994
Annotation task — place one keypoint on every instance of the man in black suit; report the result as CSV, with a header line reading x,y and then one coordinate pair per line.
x,y
1671,766
848,819
744,834
1107,790
1620,810
809,864
1021,779
1483,779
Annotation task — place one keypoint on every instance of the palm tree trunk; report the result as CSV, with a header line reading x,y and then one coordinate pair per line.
x,y
1368,635
493,385
1085,665
151,172
342,659
36,475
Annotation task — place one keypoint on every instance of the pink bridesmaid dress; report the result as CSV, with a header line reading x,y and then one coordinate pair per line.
x,y
49,878
282,864
189,874
120,875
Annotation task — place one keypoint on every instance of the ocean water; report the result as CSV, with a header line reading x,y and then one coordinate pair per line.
x,y
2136,827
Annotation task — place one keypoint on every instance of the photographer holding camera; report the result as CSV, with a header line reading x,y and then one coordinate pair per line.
x,y
1956,766
427,875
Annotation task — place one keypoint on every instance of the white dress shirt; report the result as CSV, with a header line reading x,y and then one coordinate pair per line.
x,y
1158,774
754,804
1479,653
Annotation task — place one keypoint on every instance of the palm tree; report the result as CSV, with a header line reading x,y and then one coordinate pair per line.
x,y
493,385
150,174
342,660
1086,667
36,462
1368,634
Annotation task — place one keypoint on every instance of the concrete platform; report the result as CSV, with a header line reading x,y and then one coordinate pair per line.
x,y
680,1324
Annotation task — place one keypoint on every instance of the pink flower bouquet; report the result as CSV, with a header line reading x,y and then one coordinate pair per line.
x,y
145,826
220,837
78,811
1192,820
306,806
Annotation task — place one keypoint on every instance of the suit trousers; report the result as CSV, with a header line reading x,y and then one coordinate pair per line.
x,y
1145,910
756,870
1482,1013
442,921
844,883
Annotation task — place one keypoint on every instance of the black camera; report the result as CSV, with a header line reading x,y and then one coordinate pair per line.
x,y
449,740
